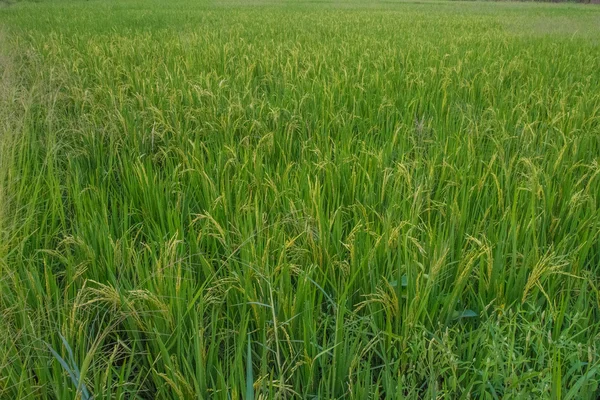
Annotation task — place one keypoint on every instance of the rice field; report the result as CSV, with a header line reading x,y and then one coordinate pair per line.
x,y
312,200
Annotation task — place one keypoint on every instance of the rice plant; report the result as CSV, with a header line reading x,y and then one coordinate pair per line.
x,y
317,200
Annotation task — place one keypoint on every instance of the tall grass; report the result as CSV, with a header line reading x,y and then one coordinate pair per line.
x,y
300,201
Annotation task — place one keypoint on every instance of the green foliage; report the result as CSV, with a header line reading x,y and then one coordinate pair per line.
x,y
299,200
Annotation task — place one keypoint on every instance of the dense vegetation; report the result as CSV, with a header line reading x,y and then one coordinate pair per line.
x,y
299,200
